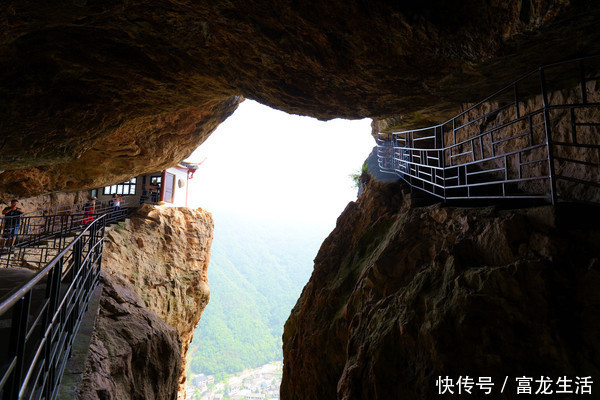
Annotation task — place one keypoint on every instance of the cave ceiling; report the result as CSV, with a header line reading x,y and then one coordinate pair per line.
x,y
96,91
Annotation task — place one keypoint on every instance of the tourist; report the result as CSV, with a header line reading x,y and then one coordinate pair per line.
x,y
12,222
152,192
116,201
155,192
88,211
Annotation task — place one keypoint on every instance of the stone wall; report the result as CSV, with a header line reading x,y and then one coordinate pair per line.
x,y
510,138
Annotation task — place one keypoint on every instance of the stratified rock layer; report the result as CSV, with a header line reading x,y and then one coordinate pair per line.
x,y
401,295
59,201
96,91
161,254
133,146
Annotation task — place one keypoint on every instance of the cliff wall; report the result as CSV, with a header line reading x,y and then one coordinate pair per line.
x,y
133,354
401,295
155,289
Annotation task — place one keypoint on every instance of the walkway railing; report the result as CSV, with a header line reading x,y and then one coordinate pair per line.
x,y
39,320
39,240
37,227
511,144
41,316
101,207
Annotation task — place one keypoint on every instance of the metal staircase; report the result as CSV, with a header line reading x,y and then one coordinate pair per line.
x,y
529,140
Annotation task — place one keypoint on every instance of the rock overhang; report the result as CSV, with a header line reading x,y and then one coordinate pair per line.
x,y
92,92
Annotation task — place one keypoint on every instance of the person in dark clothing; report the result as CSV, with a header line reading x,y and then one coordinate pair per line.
x,y
155,193
151,192
12,222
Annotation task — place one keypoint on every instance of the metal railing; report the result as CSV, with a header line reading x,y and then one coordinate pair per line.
x,y
511,144
39,319
101,207
38,239
29,234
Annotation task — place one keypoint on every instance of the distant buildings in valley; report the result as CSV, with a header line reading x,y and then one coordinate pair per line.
x,y
257,384
202,381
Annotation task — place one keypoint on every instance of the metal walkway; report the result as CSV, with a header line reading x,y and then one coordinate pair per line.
x,y
43,233
55,268
529,140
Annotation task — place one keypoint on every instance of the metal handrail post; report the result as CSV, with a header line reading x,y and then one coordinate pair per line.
x,y
548,131
442,158
52,289
18,342
77,255
102,233
56,278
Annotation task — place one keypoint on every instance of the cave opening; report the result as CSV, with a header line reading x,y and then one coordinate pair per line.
x,y
275,184
95,94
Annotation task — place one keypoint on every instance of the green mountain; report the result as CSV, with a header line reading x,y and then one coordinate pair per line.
x,y
257,270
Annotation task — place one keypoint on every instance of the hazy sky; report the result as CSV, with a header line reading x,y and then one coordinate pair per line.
x,y
267,163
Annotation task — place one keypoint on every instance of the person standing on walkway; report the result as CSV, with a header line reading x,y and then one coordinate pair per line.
x,y
154,192
116,201
88,211
12,222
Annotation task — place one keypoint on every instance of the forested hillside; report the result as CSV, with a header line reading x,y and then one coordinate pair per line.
x,y
257,271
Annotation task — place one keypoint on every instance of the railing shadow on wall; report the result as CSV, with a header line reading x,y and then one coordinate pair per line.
x,y
533,139
39,319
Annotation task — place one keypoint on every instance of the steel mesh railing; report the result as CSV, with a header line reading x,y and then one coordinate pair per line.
x,y
528,140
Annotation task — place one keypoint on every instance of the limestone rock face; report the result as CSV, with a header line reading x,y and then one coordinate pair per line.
x,y
401,295
59,199
134,354
96,91
162,254
133,147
